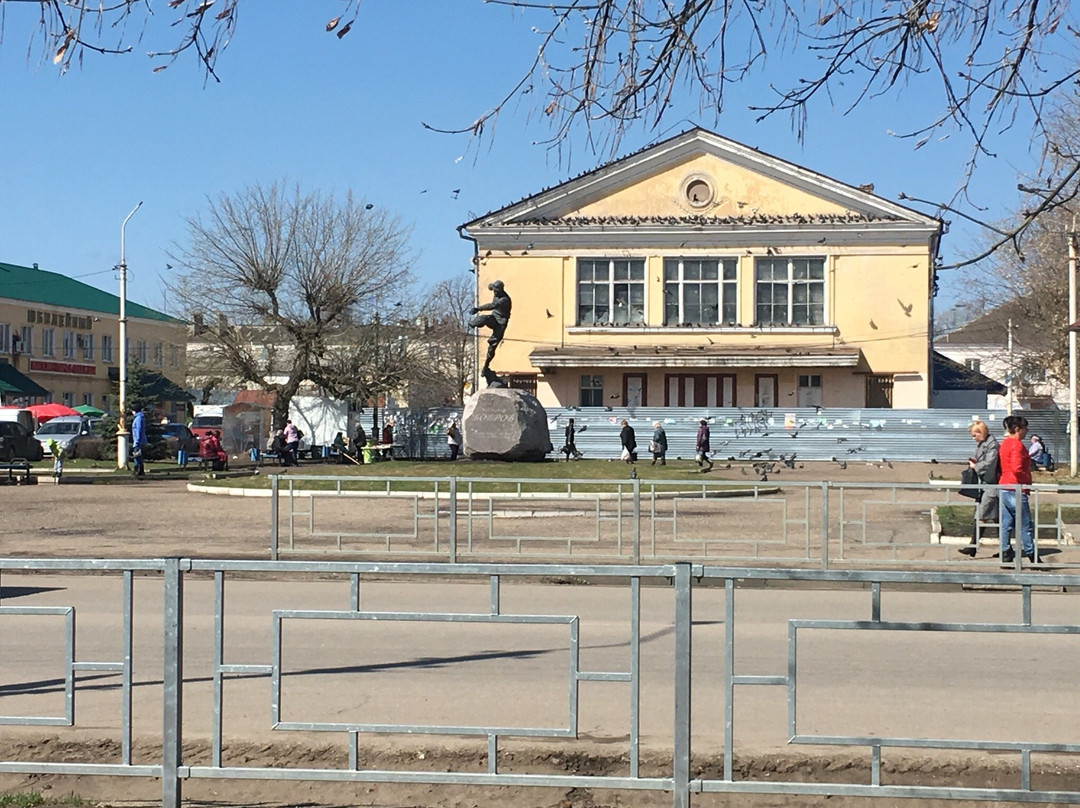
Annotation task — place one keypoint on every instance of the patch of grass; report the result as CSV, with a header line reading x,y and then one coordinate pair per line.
x,y
30,799
956,519
601,473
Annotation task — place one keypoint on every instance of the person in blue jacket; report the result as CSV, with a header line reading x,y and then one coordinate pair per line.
x,y
138,440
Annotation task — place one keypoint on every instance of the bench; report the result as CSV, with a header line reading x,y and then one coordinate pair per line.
x,y
18,472
205,461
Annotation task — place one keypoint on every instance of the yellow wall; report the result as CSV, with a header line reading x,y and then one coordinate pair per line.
x,y
97,385
876,296
739,192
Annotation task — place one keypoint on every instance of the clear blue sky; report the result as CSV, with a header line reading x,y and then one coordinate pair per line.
x,y
295,103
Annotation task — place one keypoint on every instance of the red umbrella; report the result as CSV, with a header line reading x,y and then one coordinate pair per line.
x,y
43,412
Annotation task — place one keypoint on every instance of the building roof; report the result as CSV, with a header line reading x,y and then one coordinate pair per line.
x,y
950,375
37,286
550,205
992,329
692,356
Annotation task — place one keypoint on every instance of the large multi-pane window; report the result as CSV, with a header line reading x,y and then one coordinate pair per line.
x,y
140,351
611,291
700,291
790,291
6,345
106,348
26,343
87,343
48,342
69,344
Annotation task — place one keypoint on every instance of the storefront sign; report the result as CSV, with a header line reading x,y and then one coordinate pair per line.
x,y
45,366
61,319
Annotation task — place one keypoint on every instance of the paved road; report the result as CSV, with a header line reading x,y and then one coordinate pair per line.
x,y
920,684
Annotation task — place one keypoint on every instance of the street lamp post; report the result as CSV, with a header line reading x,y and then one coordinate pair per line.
x,y
121,426
1072,351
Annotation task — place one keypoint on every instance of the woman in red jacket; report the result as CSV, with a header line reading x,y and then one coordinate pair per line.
x,y
1015,470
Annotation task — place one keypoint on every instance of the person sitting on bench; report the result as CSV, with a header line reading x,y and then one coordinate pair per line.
x,y
211,450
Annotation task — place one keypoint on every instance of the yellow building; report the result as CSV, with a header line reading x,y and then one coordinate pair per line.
x,y
701,272
63,335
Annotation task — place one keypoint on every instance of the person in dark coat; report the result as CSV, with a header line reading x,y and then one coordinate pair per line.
x,y
388,440
629,443
701,447
569,446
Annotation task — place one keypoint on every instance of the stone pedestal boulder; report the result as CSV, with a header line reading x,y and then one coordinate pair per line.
x,y
505,424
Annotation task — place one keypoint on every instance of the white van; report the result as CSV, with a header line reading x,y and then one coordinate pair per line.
x,y
19,416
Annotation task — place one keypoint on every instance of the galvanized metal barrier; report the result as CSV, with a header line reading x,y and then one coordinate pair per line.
x,y
823,524
810,433
691,587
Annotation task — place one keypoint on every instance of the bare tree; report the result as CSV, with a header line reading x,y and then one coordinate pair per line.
x,y
603,67
285,274
447,307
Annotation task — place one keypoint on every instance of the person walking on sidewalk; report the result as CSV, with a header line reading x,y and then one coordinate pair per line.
x,y
569,445
1015,470
629,442
985,464
701,447
138,440
658,444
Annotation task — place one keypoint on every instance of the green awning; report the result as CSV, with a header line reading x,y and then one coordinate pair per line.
x,y
12,382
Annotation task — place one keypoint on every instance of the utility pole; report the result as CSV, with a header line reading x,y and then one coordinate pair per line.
x,y
121,425
1009,377
1072,350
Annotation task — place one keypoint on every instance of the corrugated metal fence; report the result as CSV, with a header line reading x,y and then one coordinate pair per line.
x,y
746,433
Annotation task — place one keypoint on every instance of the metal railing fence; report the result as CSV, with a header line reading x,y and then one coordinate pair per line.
x,y
689,587
823,524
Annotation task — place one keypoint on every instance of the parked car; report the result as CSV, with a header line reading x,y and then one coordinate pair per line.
x,y
178,436
16,441
76,435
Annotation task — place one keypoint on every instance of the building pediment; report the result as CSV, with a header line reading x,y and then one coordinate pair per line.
x,y
700,182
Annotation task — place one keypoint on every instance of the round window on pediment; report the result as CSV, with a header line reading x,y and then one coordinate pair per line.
x,y
698,191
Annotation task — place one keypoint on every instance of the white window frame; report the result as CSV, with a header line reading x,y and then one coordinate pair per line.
x,y
69,344
794,265
632,271
677,287
809,390
48,342
594,384
106,348
5,338
26,344
87,347
159,354
141,352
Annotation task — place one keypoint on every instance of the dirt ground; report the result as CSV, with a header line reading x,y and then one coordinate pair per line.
x,y
156,518
985,772
162,518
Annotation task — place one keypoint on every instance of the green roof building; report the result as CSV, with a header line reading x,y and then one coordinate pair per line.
x,y
63,334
